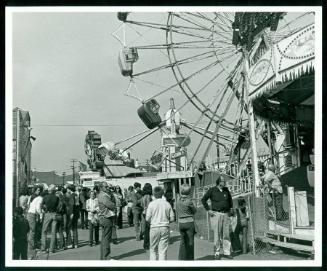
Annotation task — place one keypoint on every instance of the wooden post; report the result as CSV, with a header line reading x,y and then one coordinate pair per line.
x,y
252,126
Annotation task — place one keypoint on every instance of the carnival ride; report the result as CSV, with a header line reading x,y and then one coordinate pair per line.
x,y
206,57
239,76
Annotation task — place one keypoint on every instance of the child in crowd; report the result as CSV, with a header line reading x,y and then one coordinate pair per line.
x,y
20,231
240,241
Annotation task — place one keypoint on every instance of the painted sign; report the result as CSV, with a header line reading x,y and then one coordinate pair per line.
x,y
289,59
260,72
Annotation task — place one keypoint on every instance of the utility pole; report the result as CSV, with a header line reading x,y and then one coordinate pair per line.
x,y
63,178
73,168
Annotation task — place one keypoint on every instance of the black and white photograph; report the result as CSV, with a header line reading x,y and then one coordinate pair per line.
x,y
163,136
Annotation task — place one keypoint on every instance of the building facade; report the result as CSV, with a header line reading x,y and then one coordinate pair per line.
x,y
22,147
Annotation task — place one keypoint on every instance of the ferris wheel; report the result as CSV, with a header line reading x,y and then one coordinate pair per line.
x,y
201,55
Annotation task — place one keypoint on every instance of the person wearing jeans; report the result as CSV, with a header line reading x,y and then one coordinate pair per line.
x,y
72,217
50,203
185,212
92,207
60,215
159,214
221,204
147,198
33,216
137,211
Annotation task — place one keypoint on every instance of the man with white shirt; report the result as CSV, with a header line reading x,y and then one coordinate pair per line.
x,y
34,216
159,214
92,207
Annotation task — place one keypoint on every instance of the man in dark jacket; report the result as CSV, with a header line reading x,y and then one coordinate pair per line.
x,y
137,210
221,204
50,204
82,202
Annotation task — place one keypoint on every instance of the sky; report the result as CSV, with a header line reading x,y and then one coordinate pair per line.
x,y
66,74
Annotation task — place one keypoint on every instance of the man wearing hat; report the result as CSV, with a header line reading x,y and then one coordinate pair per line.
x,y
50,204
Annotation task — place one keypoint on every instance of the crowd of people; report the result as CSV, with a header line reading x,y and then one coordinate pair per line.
x,y
60,210
150,211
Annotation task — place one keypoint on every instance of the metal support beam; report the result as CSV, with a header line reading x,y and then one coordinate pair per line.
x,y
252,126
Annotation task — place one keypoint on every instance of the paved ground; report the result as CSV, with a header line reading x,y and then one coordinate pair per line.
x,y
130,249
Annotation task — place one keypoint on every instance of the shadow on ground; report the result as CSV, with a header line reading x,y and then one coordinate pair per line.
x,y
129,254
124,239
206,258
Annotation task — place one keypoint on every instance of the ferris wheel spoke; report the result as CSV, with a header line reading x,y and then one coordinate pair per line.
x,y
208,126
192,59
192,96
212,29
193,34
201,16
229,56
177,29
180,81
219,22
151,83
186,19
225,17
185,45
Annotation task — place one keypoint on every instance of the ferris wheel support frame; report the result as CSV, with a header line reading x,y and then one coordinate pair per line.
x,y
252,127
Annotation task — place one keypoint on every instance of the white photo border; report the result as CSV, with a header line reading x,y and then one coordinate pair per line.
x,y
316,262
